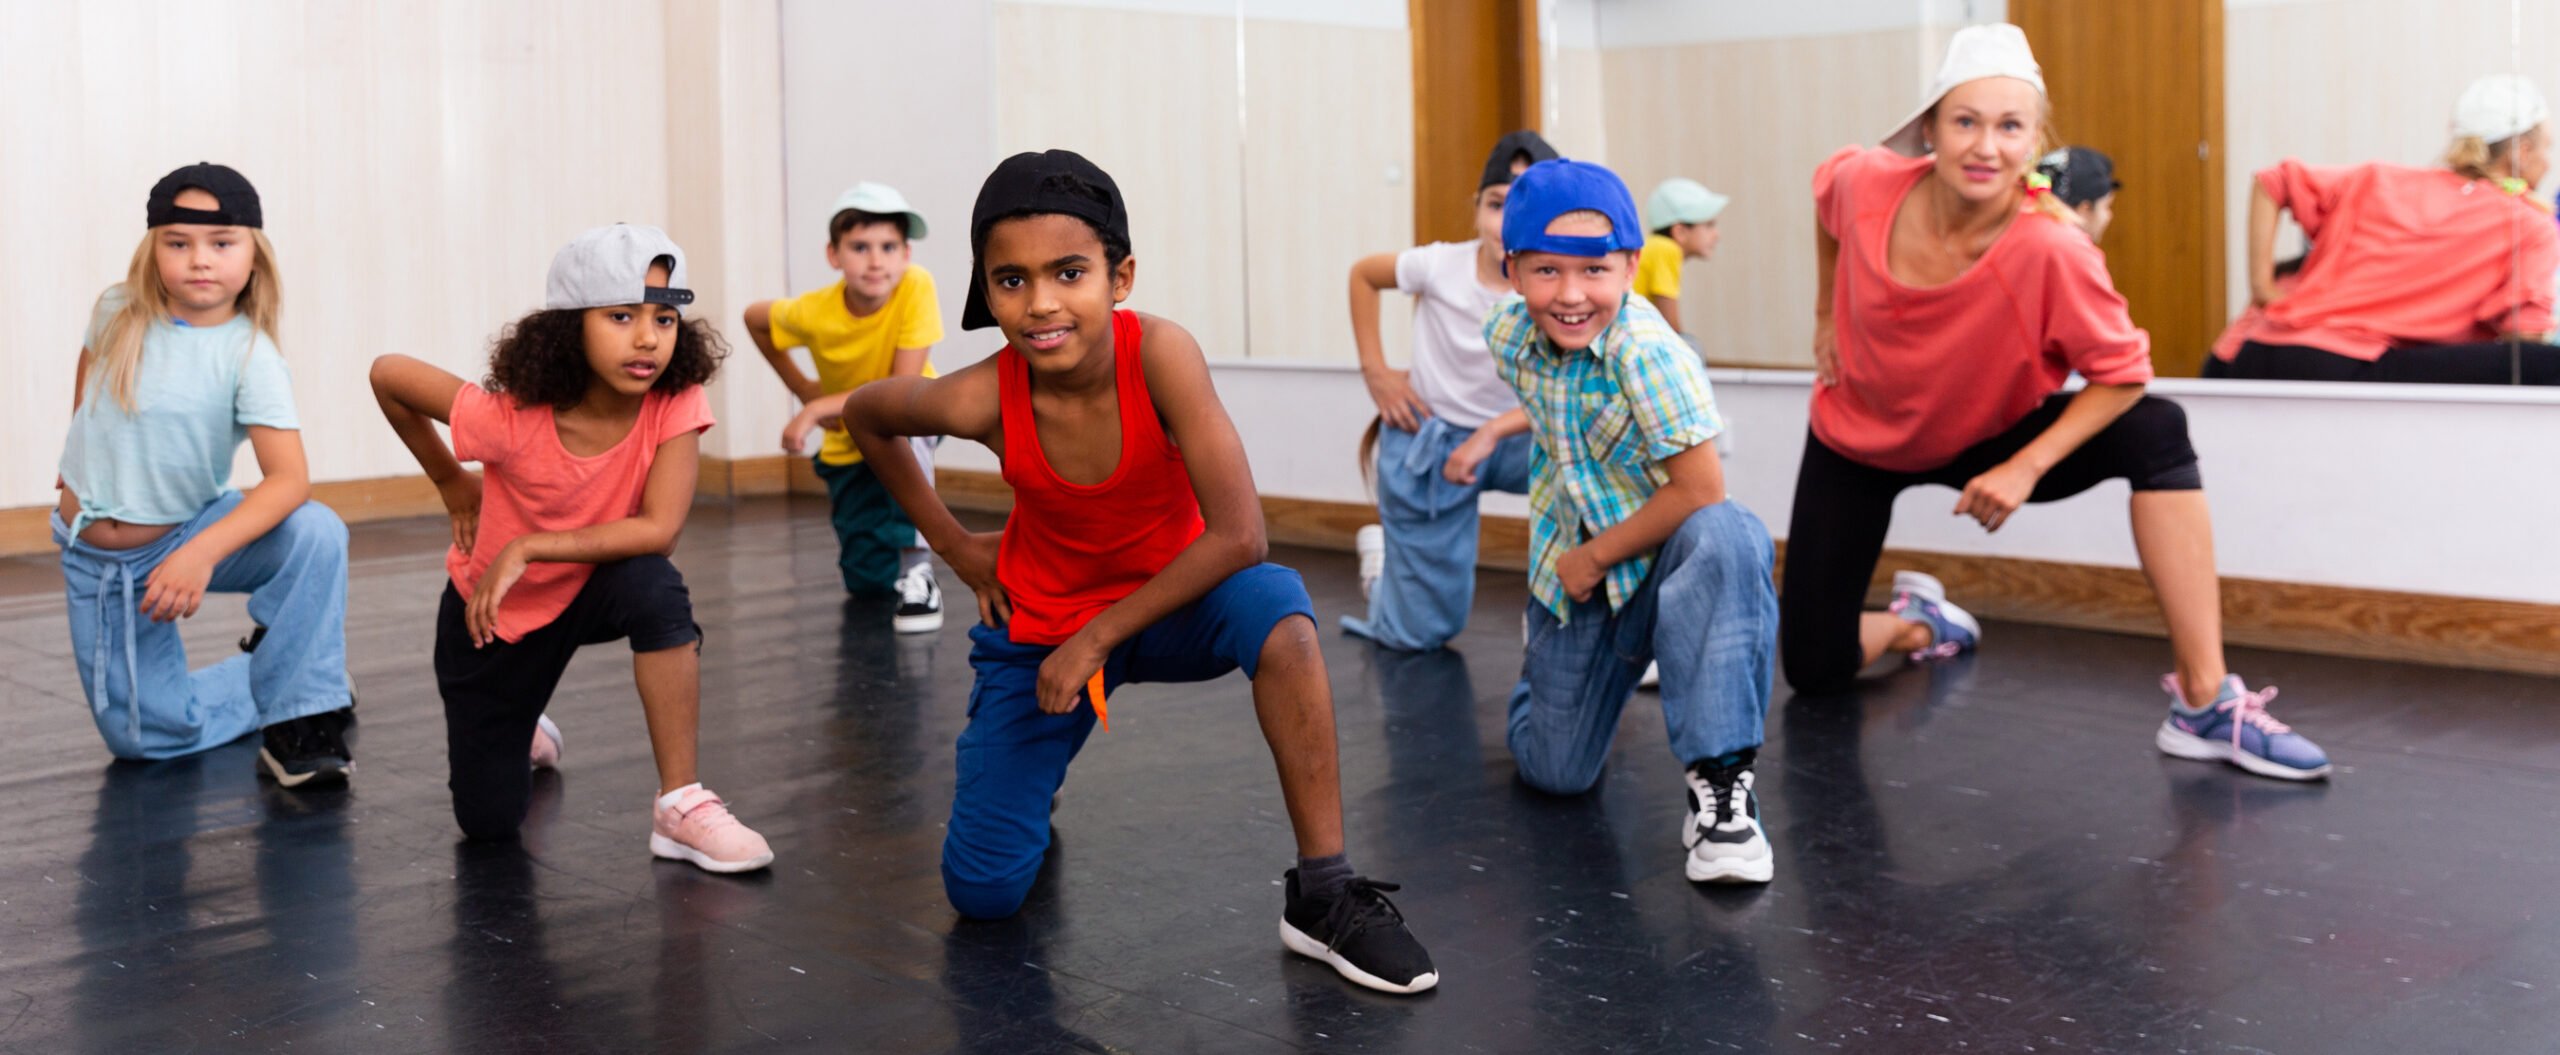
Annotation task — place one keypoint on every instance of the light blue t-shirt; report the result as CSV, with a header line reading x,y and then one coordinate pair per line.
x,y
195,395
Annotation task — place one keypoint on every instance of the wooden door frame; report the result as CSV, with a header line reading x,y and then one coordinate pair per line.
x,y
1530,97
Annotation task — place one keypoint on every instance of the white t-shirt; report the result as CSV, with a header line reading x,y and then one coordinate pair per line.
x,y
1452,370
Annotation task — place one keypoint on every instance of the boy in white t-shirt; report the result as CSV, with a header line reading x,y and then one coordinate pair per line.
x,y
1448,430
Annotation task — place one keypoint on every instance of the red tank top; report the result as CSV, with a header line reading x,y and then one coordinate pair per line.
x,y
1071,550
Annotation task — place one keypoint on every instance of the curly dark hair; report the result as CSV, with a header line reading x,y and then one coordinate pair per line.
x,y
542,358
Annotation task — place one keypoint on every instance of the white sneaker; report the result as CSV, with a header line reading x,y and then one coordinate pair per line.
x,y
919,601
1920,598
547,745
1371,543
1652,678
1723,833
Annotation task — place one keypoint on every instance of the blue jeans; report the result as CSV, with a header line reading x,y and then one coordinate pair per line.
x,y
1013,755
1708,614
146,702
1423,597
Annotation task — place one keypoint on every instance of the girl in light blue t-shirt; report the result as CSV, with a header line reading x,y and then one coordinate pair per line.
x,y
179,368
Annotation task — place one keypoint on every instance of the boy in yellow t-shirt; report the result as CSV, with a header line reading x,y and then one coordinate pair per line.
x,y
1682,216
879,321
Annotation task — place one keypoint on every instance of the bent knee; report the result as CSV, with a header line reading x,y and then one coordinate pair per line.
x,y
984,900
317,525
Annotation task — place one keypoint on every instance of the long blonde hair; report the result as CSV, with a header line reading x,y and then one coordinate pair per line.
x,y
2476,158
118,359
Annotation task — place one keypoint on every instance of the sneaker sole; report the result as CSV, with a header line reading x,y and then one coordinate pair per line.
x,y
1731,870
1299,943
2179,743
273,770
916,624
669,849
559,747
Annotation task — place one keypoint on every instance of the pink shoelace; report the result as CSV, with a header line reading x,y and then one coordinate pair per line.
x,y
2249,708
715,819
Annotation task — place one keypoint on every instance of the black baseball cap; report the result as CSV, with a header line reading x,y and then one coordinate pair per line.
x,y
236,201
1523,143
2080,175
1034,184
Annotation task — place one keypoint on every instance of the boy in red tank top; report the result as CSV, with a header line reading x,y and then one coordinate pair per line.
x,y
1135,550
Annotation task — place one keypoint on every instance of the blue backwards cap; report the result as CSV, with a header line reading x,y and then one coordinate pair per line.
x,y
1550,189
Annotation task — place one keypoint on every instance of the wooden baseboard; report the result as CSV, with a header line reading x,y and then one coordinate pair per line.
x,y
2294,617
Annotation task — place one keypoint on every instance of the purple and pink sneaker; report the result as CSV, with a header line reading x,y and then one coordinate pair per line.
x,y
1920,598
2237,729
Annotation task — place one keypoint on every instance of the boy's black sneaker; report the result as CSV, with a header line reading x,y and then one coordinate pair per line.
x,y
307,752
1358,932
919,602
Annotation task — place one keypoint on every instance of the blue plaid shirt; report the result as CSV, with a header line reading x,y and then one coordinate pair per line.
x,y
1605,418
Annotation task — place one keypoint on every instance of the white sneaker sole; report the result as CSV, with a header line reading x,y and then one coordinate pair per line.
x,y
275,771
543,726
2179,743
1927,587
661,846
916,624
1299,943
1731,869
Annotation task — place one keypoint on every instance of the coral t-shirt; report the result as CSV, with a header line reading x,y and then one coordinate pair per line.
x,y
531,484
1926,372
2404,256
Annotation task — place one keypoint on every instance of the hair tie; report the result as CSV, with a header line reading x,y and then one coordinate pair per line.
x,y
2512,185
2038,185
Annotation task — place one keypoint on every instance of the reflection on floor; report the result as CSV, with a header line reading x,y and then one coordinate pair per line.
x,y
1984,856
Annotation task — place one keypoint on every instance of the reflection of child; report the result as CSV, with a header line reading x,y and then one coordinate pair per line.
x,y
1135,549
878,320
1682,216
588,437
1636,552
1454,434
180,367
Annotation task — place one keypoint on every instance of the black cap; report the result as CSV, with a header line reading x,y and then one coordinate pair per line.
x,y
236,200
2080,175
1523,143
1029,184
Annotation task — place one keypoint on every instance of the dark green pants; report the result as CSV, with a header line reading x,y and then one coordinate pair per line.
x,y
873,535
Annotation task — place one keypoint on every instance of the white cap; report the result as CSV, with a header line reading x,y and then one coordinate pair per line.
x,y
606,266
880,199
2499,107
1997,49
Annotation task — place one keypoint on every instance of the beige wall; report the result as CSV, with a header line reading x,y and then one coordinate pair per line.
x,y
419,164
1249,195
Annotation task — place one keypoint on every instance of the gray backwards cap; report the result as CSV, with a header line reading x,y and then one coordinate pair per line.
x,y
610,265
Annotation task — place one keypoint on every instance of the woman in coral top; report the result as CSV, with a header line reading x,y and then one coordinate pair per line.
x,y
2438,275
1956,298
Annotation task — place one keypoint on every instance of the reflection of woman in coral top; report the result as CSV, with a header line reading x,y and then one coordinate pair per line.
x,y
1956,299
2437,275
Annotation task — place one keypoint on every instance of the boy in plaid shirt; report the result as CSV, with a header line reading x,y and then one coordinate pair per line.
x,y
1636,553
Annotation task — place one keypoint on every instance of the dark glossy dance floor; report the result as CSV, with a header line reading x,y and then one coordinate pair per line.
x,y
1987,856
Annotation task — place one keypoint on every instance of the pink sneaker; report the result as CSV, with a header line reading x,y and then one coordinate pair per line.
x,y
698,828
546,743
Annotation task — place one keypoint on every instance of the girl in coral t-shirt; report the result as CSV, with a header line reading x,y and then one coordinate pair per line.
x,y
1957,297
587,434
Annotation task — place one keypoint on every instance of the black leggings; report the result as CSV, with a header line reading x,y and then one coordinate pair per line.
x,y
493,695
2486,363
1843,509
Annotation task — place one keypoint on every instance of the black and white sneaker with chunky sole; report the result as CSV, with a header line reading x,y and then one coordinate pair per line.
x,y
919,602
1360,934
1726,843
306,752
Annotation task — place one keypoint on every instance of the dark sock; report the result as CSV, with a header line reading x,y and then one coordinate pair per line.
x,y
1321,878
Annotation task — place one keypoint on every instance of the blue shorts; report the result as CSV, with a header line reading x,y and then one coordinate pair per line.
x,y
1013,756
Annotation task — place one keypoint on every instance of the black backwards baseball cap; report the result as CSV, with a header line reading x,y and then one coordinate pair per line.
x,y
1033,184
2080,175
236,201
1513,147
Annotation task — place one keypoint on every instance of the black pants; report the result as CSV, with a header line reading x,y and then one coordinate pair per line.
x,y
1843,509
493,695
2486,363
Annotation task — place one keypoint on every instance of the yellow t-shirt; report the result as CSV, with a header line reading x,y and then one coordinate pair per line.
x,y
852,352
1658,268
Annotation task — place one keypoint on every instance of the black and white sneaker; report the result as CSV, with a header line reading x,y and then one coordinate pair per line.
x,y
1726,843
1360,933
919,602
305,752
